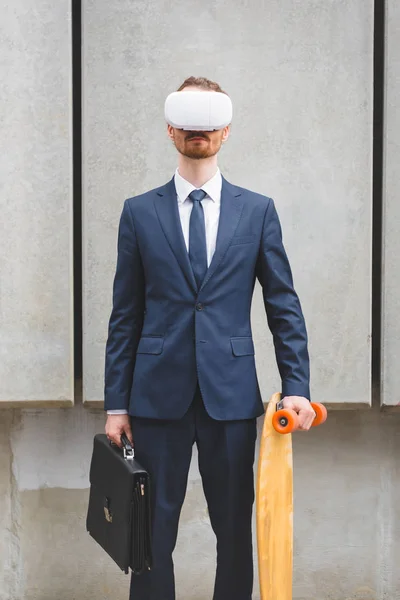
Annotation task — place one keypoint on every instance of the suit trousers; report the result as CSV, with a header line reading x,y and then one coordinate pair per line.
x,y
226,457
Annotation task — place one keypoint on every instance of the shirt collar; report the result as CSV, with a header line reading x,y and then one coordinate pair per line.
x,y
212,187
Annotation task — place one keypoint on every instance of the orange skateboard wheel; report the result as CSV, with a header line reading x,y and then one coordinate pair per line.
x,y
285,421
320,412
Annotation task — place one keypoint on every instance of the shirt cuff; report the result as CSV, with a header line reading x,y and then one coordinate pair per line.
x,y
117,411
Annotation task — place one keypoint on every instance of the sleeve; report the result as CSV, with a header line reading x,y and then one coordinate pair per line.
x,y
283,309
126,320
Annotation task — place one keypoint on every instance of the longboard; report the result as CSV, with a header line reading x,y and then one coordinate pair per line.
x,y
274,500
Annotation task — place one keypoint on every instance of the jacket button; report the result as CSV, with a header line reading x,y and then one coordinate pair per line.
x,y
199,306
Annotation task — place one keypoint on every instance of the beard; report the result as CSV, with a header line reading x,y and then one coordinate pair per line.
x,y
197,151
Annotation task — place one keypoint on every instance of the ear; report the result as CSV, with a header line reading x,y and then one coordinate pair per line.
x,y
170,132
226,133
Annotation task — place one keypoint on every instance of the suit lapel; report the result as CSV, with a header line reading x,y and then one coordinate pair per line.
x,y
230,213
166,206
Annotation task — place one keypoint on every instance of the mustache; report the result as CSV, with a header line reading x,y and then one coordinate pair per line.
x,y
196,134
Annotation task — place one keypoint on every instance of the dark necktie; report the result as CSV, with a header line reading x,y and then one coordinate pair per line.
x,y
197,237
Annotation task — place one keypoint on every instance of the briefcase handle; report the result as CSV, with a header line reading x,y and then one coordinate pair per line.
x,y
129,452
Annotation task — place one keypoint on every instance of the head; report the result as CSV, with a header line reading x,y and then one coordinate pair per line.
x,y
198,145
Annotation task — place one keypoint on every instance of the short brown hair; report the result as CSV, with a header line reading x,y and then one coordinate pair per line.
x,y
203,83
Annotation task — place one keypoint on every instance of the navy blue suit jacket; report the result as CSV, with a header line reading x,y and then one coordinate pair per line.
x,y
165,335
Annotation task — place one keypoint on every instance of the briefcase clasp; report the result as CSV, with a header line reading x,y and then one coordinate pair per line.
x,y
129,452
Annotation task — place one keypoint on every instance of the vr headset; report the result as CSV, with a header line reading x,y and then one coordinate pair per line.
x,y
198,111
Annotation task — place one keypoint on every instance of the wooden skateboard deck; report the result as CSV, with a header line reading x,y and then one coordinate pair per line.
x,y
274,499
274,510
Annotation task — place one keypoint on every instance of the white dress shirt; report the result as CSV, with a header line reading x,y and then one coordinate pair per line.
x,y
211,207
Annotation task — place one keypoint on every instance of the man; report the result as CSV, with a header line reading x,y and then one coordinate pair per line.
x,y
180,365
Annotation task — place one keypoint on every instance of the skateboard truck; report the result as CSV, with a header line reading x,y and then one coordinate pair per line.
x,y
286,420
283,421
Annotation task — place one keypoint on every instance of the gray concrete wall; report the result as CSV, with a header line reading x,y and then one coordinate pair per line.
x,y
36,318
305,70
347,515
300,76
391,214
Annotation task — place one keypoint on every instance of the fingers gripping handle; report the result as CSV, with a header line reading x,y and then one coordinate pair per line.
x,y
286,420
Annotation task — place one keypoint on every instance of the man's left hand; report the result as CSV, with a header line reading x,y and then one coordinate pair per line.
x,y
302,406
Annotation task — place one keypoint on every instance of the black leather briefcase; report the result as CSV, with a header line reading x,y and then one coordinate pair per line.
x,y
118,516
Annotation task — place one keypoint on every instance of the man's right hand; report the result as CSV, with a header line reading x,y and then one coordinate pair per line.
x,y
116,425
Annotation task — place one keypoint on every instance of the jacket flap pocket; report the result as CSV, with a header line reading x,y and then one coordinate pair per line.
x,y
150,345
242,346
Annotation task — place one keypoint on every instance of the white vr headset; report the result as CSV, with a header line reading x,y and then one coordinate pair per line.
x,y
198,111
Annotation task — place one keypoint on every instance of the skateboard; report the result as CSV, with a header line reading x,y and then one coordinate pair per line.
x,y
274,499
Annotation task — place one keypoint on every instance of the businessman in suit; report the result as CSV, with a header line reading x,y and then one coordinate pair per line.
x,y
180,365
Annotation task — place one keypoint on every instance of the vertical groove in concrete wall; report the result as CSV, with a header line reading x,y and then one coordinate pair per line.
x,y
379,64
77,182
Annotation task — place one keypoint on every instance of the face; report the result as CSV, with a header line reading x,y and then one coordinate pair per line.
x,y
198,144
